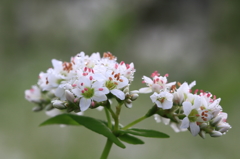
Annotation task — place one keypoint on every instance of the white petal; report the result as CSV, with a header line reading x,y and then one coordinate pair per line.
x,y
99,77
185,123
167,104
194,128
197,102
170,84
57,64
84,104
104,90
101,90
60,92
192,84
147,80
168,96
119,94
187,107
145,90
123,83
77,92
157,118
97,84
86,81
204,102
154,97
159,104
100,98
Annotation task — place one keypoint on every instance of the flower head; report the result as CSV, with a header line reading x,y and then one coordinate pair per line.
x,y
162,100
87,91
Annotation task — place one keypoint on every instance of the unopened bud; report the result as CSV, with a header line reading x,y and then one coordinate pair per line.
x,y
37,109
225,128
49,107
58,104
202,134
216,120
135,92
215,134
203,125
128,105
128,101
69,95
134,97
126,90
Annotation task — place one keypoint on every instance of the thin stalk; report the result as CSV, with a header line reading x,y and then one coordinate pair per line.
x,y
106,149
108,118
118,110
134,122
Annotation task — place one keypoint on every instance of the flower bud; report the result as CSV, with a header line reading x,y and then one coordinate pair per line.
x,y
58,104
69,95
126,89
203,125
128,105
216,120
128,101
49,107
37,108
134,96
215,134
202,134
225,128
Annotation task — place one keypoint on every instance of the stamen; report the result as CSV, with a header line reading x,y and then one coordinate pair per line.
x,y
196,91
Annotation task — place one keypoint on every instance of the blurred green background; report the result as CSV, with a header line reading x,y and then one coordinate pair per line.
x,y
190,40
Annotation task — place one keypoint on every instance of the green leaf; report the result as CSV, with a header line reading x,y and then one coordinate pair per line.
x,y
90,123
130,139
147,133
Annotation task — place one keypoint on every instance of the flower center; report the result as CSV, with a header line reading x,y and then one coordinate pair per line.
x,y
193,115
88,92
161,99
111,84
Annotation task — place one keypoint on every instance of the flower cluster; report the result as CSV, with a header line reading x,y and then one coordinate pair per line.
x,y
92,81
85,81
198,112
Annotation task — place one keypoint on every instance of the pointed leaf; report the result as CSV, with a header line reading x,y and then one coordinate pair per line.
x,y
60,119
90,123
147,133
130,139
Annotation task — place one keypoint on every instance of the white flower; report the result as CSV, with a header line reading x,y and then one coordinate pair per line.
x,y
158,84
191,112
50,80
127,70
114,82
223,126
159,119
33,94
87,91
163,100
166,121
182,92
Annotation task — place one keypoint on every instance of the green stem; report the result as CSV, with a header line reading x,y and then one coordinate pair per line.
x,y
134,122
118,110
107,149
112,113
108,118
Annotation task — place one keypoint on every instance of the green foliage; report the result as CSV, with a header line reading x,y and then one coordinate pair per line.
x,y
147,133
131,139
88,122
